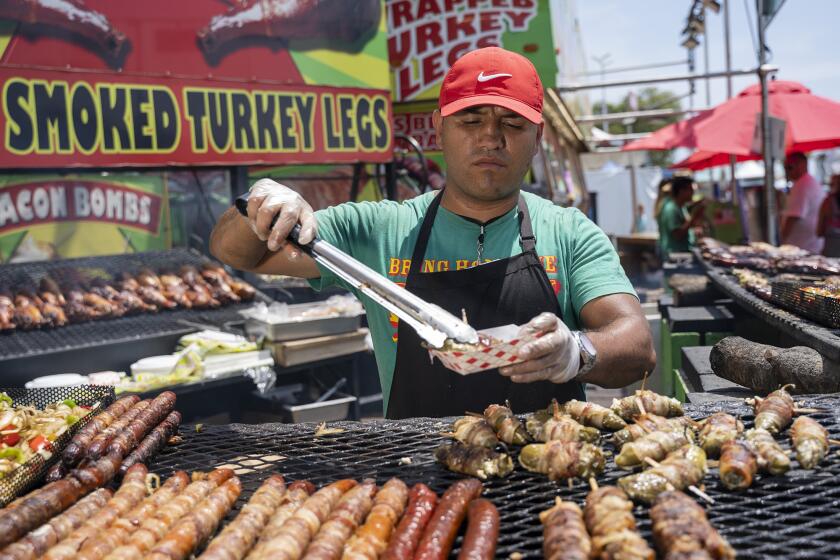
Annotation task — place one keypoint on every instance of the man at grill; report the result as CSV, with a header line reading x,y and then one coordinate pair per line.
x,y
480,246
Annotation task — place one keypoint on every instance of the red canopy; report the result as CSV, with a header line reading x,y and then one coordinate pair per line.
x,y
702,160
813,123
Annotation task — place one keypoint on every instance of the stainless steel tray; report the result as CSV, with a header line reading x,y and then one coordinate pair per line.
x,y
292,329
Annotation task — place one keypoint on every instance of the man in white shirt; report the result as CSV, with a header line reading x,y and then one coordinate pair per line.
x,y
799,220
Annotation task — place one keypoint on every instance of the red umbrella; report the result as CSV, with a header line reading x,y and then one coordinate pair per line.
x,y
813,123
702,160
675,135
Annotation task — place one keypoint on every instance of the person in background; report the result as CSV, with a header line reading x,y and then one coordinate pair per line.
x,y
828,225
661,196
675,223
642,221
799,220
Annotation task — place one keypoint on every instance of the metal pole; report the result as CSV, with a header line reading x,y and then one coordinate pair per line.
x,y
728,56
706,59
769,188
566,88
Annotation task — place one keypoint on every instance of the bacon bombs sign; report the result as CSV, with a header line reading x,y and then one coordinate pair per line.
x,y
426,36
101,84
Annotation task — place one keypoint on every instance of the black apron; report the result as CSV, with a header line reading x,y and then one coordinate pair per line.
x,y
512,290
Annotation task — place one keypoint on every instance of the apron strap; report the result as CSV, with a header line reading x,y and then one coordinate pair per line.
x,y
526,232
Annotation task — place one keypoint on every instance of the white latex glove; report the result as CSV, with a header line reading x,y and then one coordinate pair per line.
x,y
555,356
268,199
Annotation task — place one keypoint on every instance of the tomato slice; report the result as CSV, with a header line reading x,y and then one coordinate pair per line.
x,y
39,442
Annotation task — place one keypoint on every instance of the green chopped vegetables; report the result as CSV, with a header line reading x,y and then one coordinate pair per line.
x,y
4,398
69,402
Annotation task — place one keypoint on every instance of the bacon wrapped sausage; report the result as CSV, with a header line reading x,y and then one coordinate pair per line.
x,y
681,469
371,539
507,426
198,525
628,407
774,412
237,538
474,461
99,443
294,536
443,526
738,465
682,530
564,533
421,504
772,459
153,442
563,459
474,430
594,415
102,543
348,514
534,422
76,449
655,445
482,531
37,507
608,514
130,493
297,493
810,440
647,423
154,528
37,542
717,429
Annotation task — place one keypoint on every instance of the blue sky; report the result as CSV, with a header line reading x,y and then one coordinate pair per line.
x,y
804,39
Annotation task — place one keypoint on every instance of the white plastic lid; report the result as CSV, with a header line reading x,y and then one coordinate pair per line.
x,y
57,380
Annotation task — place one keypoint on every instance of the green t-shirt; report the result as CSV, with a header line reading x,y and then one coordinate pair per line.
x,y
579,259
670,218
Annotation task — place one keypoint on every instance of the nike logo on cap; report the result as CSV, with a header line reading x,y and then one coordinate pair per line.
x,y
488,77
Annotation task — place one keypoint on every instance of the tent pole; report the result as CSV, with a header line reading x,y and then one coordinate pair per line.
x,y
769,188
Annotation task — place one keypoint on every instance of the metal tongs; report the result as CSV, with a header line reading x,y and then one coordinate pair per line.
x,y
433,324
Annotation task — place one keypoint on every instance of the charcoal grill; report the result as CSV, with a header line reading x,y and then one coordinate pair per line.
x,y
822,339
792,516
115,343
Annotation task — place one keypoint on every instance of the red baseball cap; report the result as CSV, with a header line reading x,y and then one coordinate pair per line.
x,y
493,76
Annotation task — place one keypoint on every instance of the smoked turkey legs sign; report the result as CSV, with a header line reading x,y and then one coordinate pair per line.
x,y
102,83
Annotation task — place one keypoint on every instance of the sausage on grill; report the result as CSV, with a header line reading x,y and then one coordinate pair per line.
x,y
343,520
144,423
76,449
153,442
97,446
443,526
371,539
37,542
237,538
198,525
421,504
482,531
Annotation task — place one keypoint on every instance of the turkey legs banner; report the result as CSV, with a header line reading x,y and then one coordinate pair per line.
x,y
98,83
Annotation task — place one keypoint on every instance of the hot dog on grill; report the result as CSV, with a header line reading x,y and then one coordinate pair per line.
x,y
443,526
153,442
76,449
38,507
421,504
482,531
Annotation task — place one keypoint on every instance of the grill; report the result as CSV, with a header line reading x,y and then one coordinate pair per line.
x,y
157,331
794,516
822,339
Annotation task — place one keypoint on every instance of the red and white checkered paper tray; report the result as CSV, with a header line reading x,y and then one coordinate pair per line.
x,y
498,348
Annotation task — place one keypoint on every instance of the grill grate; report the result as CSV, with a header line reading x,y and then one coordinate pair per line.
x,y
794,516
20,344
